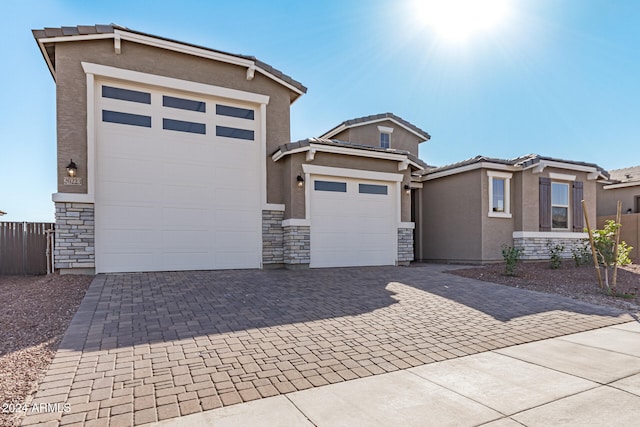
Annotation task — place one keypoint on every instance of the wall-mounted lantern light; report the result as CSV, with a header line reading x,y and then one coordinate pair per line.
x,y
407,189
72,169
300,181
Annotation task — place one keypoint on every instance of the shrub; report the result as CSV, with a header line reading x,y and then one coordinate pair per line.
x,y
511,257
555,252
582,255
605,246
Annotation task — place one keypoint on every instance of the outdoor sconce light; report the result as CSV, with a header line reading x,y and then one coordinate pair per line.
x,y
72,169
300,181
407,189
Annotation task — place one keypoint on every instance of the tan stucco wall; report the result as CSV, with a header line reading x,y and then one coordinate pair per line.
x,y
451,228
527,206
370,135
294,196
71,97
496,232
608,199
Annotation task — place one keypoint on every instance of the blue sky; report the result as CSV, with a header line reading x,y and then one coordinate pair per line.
x,y
556,77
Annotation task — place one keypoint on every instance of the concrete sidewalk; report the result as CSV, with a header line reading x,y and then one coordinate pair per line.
x,y
589,378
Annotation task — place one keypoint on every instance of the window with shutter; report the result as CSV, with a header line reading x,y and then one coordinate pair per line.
x,y
545,204
577,196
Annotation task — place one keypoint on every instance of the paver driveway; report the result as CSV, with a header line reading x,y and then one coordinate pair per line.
x,y
150,346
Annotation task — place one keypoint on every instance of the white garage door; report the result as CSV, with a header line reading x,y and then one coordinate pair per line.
x,y
177,181
353,222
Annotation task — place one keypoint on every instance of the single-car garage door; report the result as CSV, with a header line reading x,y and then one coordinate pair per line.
x,y
353,222
177,181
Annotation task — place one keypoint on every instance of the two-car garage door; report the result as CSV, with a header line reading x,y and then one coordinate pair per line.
x,y
178,181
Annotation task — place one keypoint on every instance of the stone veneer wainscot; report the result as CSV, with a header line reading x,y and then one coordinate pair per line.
x,y
405,246
272,239
534,245
297,246
74,239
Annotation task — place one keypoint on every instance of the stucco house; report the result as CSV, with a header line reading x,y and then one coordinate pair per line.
x,y
624,185
173,156
469,210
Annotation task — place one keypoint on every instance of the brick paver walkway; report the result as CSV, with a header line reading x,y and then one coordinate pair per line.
x,y
146,347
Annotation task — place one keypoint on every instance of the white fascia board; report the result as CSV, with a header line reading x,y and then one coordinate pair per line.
x,y
341,150
481,165
621,185
333,132
79,38
343,127
562,165
73,198
550,235
351,173
170,82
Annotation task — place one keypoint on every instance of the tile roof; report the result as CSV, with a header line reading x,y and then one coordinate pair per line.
x,y
376,118
522,161
110,28
337,143
631,174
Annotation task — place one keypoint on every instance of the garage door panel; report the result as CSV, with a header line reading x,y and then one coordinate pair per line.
x,y
175,199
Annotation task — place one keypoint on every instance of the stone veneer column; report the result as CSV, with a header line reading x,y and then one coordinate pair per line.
x,y
272,239
297,246
74,247
405,246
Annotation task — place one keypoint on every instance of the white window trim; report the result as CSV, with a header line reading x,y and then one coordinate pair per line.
x,y
568,206
385,130
507,194
561,176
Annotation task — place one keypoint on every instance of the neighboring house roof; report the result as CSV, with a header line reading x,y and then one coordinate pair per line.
x,y
625,177
517,163
361,121
47,38
631,174
336,146
2,213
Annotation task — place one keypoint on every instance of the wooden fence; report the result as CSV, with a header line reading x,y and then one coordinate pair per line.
x,y
26,247
629,232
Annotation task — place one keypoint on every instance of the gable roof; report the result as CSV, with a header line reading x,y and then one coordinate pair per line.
x,y
345,148
361,121
516,163
48,37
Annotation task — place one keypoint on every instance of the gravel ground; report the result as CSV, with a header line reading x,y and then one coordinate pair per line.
x,y
570,281
34,314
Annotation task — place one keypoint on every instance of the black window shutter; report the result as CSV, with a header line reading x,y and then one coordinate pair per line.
x,y
545,204
577,196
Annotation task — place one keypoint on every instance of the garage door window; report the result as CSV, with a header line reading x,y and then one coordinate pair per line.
x,y
126,118
126,94
242,113
234,133
184,104
340,187
182,126
372,189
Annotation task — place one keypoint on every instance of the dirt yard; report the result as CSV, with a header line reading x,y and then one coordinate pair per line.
x,y
34,314
570,281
